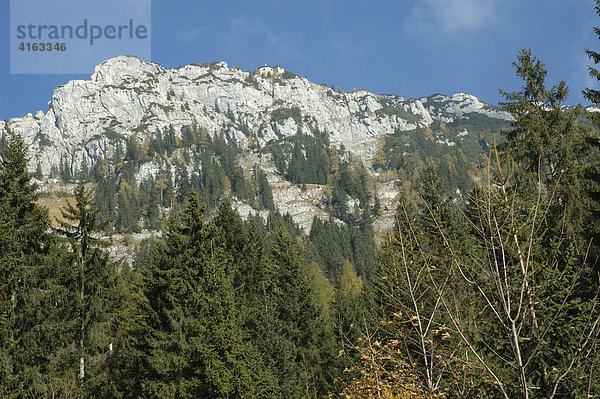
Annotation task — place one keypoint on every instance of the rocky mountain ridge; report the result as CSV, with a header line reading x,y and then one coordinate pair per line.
x,y
126,98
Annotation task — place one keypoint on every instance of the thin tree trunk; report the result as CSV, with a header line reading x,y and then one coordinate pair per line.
x,y
523,376
82,327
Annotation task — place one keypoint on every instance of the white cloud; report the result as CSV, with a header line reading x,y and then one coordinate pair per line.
x,y
451,17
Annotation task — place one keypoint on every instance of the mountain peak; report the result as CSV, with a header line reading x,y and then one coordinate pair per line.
x,y
89,120
130,102
124,67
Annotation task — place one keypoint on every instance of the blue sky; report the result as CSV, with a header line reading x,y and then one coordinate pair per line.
x,y
410,48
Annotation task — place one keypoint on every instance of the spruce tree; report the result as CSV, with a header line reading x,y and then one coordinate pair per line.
x,y
592,169
192,344
28,258
182,183
263,189
92,281
592,94
303,356
547,144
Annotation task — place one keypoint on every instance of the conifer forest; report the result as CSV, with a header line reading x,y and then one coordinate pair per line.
x,y
492,295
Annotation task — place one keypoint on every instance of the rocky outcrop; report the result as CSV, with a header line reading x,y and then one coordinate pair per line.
x,y
127,97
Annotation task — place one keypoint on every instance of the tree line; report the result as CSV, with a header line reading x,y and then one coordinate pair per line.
x,y
216,307
496,296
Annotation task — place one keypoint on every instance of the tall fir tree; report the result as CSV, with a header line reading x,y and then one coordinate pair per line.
x,y
547,144
92,283
192,344
28,254
592,170
304,368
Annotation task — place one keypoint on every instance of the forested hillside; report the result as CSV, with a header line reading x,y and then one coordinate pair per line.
x,y
491,291
268,139
213,308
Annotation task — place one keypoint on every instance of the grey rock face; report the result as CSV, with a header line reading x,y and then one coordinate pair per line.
x,y
126,97
88,120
